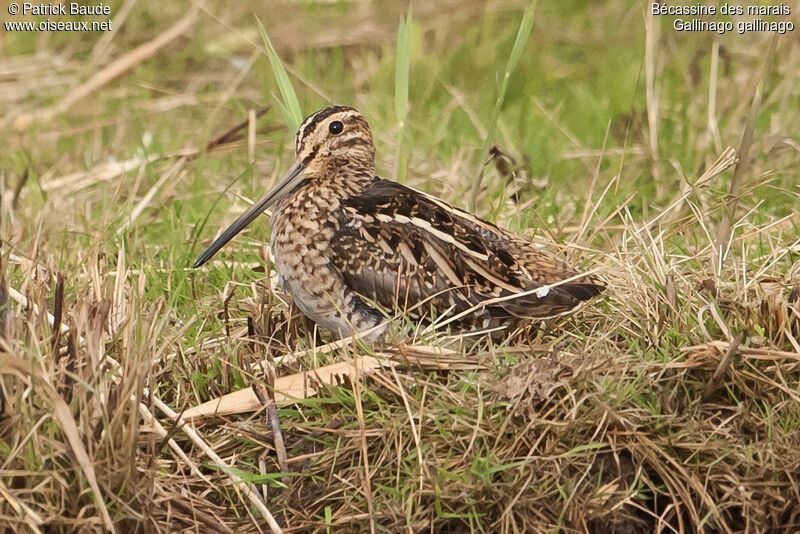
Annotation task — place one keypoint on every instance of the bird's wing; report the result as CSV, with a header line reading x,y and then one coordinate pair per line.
x,y
399,247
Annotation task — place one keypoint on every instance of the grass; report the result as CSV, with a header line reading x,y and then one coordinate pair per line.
x,y
288,104
670,404
401,71
523,34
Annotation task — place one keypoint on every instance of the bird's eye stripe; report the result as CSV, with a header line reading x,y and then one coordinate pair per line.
x,y
351,135
311,156
314,120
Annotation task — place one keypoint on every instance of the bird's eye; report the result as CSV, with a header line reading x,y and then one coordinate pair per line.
x,y
335,127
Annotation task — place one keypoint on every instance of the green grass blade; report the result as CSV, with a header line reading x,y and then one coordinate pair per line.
x,y
401,75
401,69
523,33
289,104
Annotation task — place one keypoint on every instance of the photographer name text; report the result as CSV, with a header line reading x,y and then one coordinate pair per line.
x,y
72,9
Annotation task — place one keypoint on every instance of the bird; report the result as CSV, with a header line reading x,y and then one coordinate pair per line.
x,y
354,250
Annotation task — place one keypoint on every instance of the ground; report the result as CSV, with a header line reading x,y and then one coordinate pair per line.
x,y
666,161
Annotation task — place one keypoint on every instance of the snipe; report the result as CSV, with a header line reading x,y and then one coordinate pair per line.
x,y
353,249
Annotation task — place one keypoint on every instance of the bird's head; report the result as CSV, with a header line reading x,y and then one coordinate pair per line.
x,y
333,137
328,140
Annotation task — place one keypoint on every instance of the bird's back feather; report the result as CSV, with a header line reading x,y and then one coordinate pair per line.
x,y
399,248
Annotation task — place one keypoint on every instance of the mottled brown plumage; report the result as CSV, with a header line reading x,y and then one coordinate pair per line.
x,y
353,249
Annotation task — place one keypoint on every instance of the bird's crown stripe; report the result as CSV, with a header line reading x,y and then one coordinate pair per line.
x,y
310,124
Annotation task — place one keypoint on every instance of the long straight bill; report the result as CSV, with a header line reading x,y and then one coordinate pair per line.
x,y
284,186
